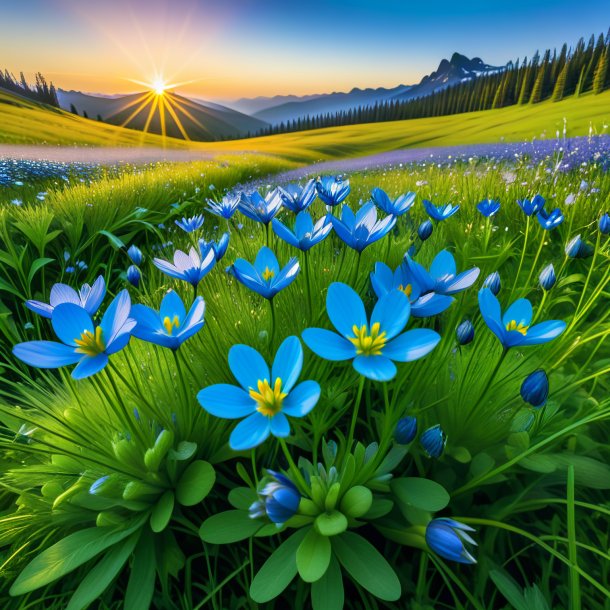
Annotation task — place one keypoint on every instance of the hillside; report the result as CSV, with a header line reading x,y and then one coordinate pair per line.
x,y
25,122
201,120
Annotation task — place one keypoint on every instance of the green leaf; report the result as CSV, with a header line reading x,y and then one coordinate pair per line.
x,y
105,571
230,526
420,493
242,497
115,242
331,524
37,265
141,585
313,556
509,589
195,483
327,593
587,471
162,512
278,571
367,567
184,451
67,555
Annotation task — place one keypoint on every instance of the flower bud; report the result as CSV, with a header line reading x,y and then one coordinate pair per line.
x,y
547,277
135,254
535,388
406,430
465,332
604,224
492,281
425,230
433,441
134,276
357,501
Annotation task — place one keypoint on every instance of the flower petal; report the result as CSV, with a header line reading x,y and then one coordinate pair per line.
x,y
115,317
95,296
171,306
89,365
411,345
543,332
288,363
70,321
378,368
328,345
442,265
491,312
250,432
302,399
226,401
345,308
46,354
520,311
247,366
280,426
62,293
392,312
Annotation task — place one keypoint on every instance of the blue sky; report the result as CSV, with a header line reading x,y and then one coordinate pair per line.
x,y
224,50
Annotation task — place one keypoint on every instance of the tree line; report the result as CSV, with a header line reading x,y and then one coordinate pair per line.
x,y
550,76
39,91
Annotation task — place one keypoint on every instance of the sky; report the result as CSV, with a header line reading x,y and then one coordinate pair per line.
x,y
227,49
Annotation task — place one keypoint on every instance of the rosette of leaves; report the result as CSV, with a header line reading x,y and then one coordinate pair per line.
x,y
342,495
126,515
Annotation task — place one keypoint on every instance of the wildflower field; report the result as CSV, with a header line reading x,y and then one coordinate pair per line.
x,y
386,389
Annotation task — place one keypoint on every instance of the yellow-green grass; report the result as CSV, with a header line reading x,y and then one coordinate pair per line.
x,y
25,122
512,124
32,123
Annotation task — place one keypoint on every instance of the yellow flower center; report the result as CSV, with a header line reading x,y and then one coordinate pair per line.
x,y
90,344
408,289
268,274
520,328
368,344
171,323
268,400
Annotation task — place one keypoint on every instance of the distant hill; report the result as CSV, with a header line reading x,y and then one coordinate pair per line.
x,y
200,121
449,72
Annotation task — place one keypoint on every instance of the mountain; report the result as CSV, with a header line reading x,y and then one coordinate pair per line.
x,y
256,104
449,72
201,120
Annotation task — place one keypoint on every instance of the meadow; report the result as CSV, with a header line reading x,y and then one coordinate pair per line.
x,y
367,453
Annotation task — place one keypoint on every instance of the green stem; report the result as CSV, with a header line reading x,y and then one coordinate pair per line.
x,y
308,281
572,552
300,481
352,427
272,335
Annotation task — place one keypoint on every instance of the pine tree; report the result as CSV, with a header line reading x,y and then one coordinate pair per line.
x,y
560,85
601,73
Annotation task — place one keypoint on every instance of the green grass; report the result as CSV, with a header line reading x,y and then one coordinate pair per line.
x,y
29,123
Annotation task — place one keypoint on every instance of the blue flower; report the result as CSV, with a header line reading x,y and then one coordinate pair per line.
x,y
406,430
305,234
280,499
265,277
578,248
398,207
190,225
83,343
134,276
442,277
371,345
135,255
383,280
441,212
361,229
547,277
171,326
604,224
433,441
531,207
465,332
492,281
513,328
88,297
425,230
535,388
191,267
297,198
332,190
550,220
225,208
446,537
261,209
265,397
219,247
488,207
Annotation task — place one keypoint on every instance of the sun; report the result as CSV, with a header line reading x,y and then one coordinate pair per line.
x,y
159,86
